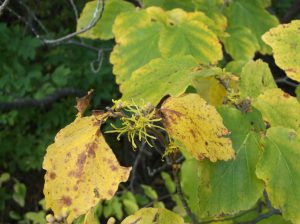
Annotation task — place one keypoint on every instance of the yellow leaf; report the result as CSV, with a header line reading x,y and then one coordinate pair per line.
x,y
153,216
81,168
197,126
91,218
285,41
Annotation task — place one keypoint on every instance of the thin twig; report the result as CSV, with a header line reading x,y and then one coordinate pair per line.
x,y
229,218
74,9
181,196
19,17
34,17
30,103
163,167
92,23
159,199
3,5
285,80
261,217
135,166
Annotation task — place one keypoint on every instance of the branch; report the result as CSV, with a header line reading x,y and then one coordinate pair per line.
x,y
135,166
3,5
74,9
92,23
286,80
293,11
48,100
262,216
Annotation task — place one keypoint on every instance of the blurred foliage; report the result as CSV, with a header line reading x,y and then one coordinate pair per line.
x,y
38,71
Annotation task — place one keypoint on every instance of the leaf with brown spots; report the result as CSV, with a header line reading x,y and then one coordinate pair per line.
x,y
81,168
84,102
285,41
197,126
153,216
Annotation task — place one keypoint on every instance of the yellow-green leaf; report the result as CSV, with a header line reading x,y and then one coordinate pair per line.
x,y
197,126
186,34
153,216
279,168
279,108
152,33
170,4
137,36
77,164
232,186
172,76
255,78
103,28
214,10
241,44
91,218
251,15
285,42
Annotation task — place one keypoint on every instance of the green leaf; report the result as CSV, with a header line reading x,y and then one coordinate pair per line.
x,y
279,108
170,76
169,183
236,67
60,75
137,39
148,34
285,42
251,15
36,217
297,92
130,207
153,216
255,78
150,192
170,4
19,193
214,10
103,28
232,186
187,34
4,178
279,169
240,44
190,183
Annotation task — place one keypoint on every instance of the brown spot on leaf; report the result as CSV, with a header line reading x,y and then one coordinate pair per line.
x,y
75,188
286,95
91,149
111,192
52,175
66,200
81,160
193,133
113,167
96,192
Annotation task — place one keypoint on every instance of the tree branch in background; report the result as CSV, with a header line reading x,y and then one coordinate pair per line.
x,y
48,100
3,5
92,23
292,12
